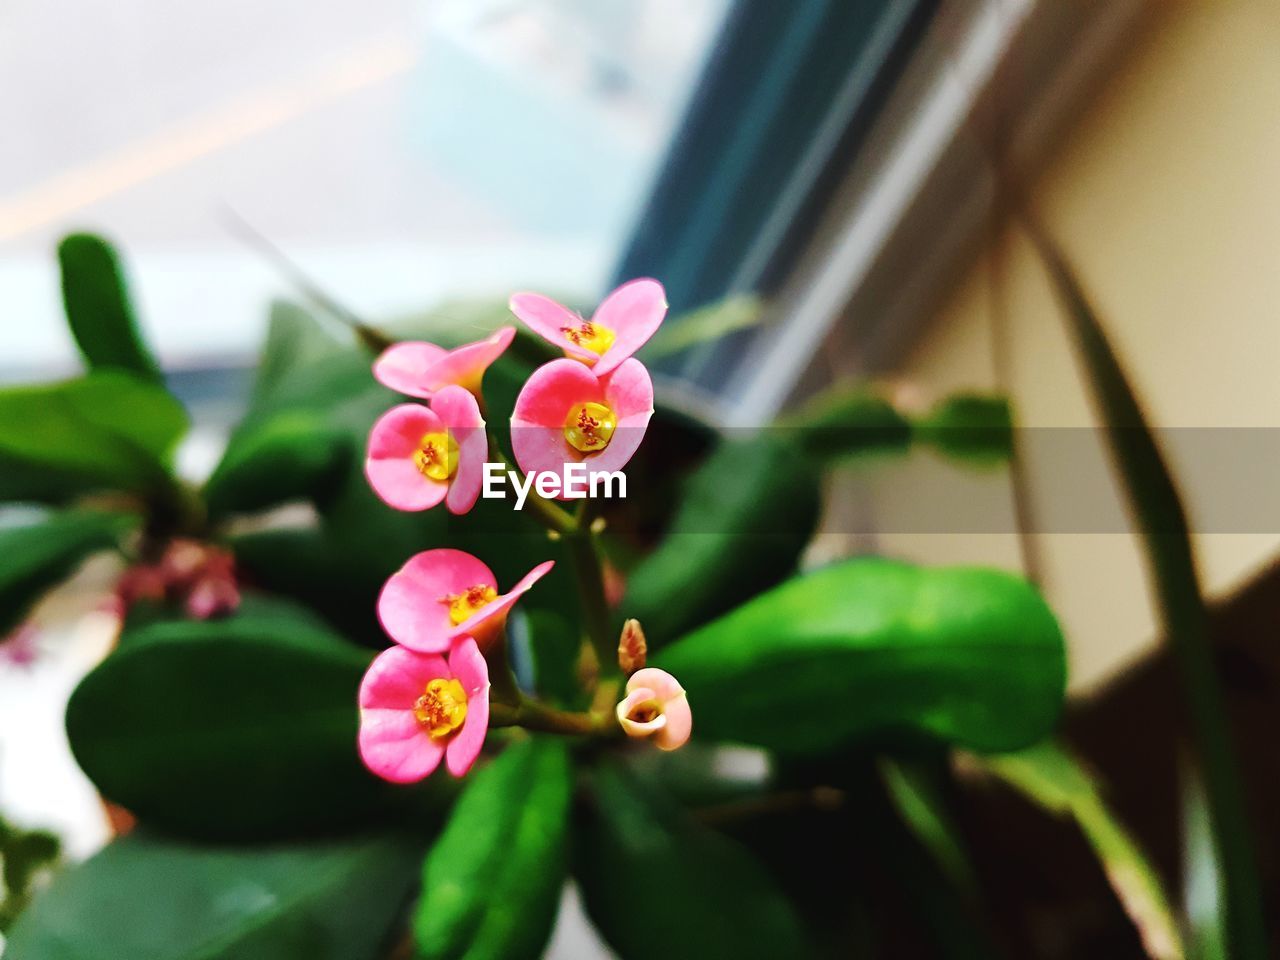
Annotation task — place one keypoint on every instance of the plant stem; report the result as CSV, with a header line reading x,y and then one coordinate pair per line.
x,y
595,609
534,715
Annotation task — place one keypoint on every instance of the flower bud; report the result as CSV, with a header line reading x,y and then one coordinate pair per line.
x,y
632,648
656,708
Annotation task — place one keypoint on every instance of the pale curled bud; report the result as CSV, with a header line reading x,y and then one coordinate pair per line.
x,y
632,649
656,708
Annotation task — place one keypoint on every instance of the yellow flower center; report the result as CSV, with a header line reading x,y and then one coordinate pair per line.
x,y
441,708
589,427
437,456
590,336
464,604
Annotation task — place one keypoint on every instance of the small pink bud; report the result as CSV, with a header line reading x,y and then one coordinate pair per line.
x,y
656,708
213,596
632,648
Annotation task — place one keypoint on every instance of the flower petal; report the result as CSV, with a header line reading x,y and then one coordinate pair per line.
x,y
553,389
460,413
633,312
679,724
402,367
664,686
393,746
399,431
545,317
483,625
410,606
466,743
397,676
468,665
400,484
465,365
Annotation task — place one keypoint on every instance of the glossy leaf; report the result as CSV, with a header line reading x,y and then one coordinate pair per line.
x,y
295,455
656,883
970,656
108,430
969,426
491,883
39,556
1050,777
746,516
1162,522
144,897
101,316
241,727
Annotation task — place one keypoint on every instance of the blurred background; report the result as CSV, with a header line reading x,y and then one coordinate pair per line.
x,y
833,156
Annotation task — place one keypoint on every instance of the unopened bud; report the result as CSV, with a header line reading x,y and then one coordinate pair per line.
x,y
632,649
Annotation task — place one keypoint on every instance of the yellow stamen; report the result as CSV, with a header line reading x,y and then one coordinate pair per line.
x,y
466,603
589,427
437,456
590,335
442,708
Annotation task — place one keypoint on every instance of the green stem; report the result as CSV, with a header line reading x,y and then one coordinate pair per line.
x,y
533,715
587,569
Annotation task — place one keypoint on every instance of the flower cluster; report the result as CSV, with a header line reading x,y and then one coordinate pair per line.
x,y
427,698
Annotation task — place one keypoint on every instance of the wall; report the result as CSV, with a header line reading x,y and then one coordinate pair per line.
x,y
1166,192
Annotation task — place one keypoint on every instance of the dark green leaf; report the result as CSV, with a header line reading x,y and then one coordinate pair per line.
x,y
851,420
1161,520
923,808
971,656
969,426
98,309
656,883
240,727
1050,777
108,430
143,898
747,515
491,883
35,558
293,455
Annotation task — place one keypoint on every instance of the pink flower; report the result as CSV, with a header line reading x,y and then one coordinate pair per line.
x,y
443,594
420,456
566,414
656,707
201,576
417,707
422,369
620,326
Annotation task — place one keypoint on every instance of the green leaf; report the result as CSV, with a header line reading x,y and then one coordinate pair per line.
x,y
704,325
1050,777
851,420
108,430
922,807
37,557
295,340
655,882
98,309
1161,520
293,455
240,727
491,883
971,656
1202,872
143,898
969,426
747,515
